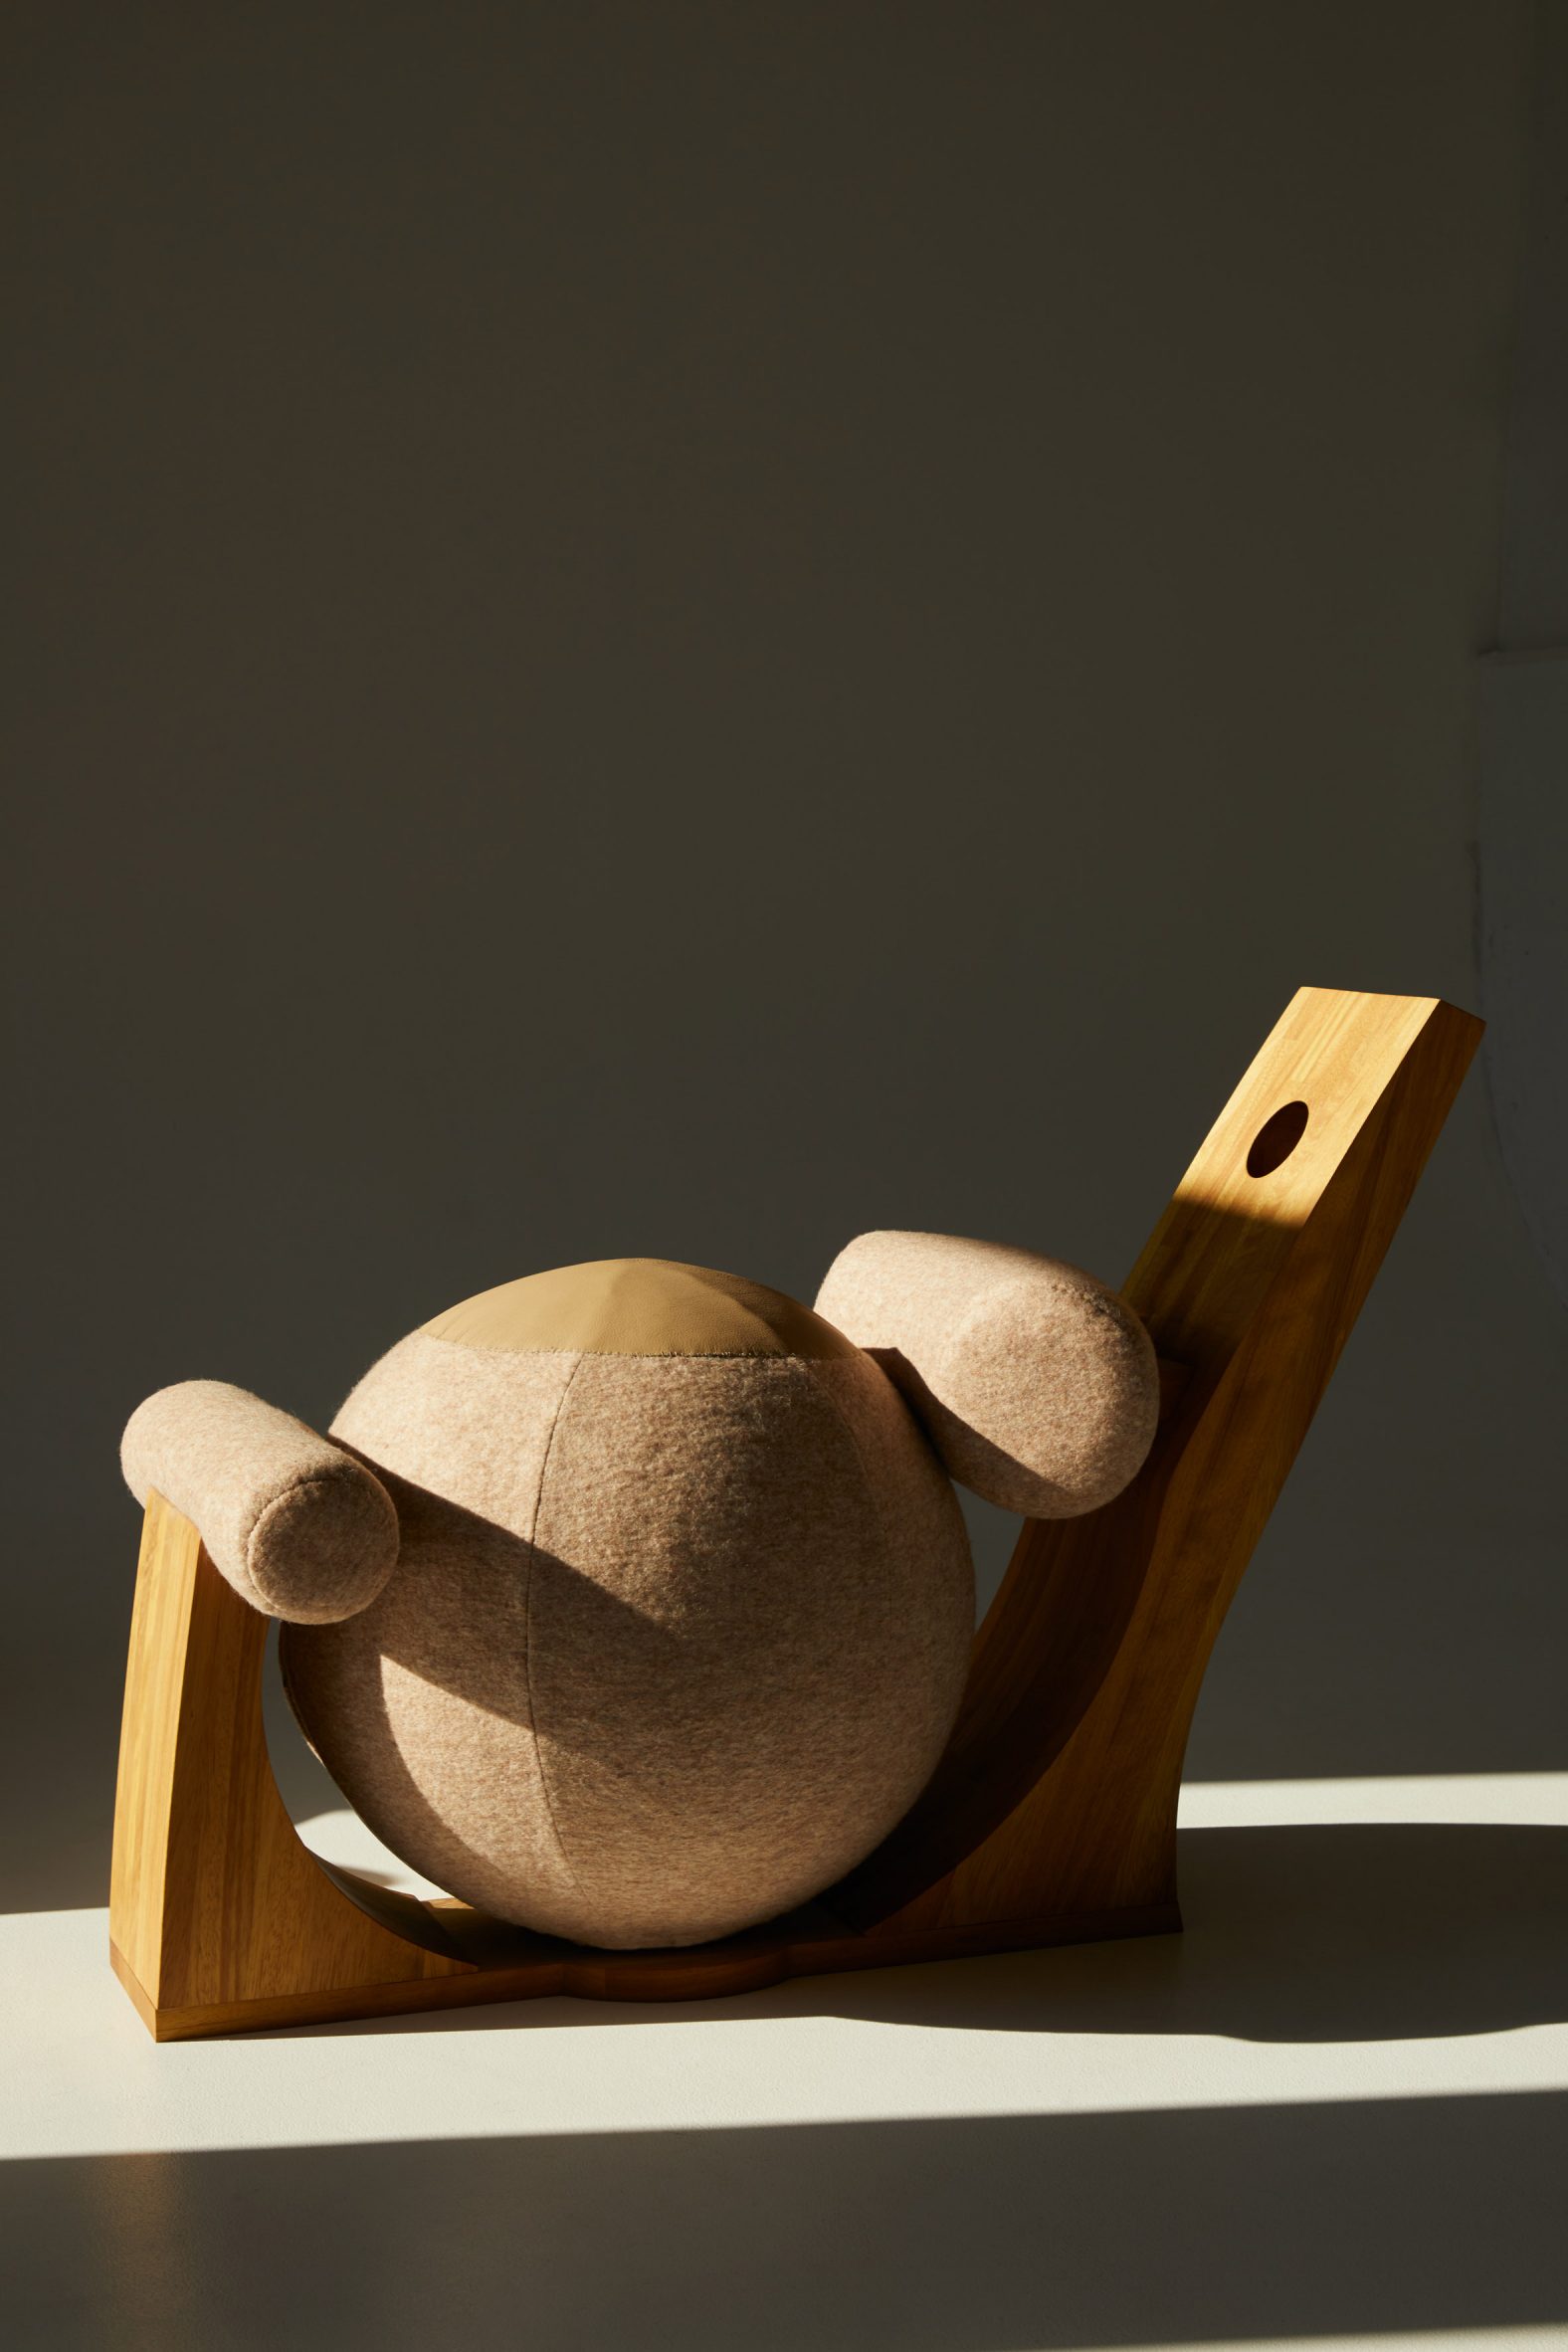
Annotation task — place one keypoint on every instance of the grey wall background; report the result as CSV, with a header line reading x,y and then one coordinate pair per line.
x,y
687,630
1522,818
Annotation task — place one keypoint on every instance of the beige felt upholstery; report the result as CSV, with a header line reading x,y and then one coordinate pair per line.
x,y
296,1524
1037,1385
683,1605
672,1640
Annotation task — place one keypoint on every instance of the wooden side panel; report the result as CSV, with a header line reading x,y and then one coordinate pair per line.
x,y
213,1899
154,1684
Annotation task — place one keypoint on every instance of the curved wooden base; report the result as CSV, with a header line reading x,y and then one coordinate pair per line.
x,y
1051,1818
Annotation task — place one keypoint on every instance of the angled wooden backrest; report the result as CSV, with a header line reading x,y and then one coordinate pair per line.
x,y
1059,1785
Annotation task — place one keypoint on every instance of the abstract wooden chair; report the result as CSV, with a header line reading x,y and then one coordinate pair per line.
x,y
1051,1818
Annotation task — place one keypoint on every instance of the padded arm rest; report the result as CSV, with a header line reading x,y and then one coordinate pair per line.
x,y
1038,1386
298,1526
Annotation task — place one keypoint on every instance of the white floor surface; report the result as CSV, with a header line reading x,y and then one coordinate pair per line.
x,y
1334,2111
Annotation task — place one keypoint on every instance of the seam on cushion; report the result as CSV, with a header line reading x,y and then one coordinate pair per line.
x,y
634,1355
528,1624
275,1503
890,1552
325,1477
872,1485
273,1490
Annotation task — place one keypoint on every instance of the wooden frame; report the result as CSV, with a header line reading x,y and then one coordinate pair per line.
x,y
1051,1818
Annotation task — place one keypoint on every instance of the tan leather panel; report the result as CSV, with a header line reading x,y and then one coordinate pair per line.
x,y
639,1307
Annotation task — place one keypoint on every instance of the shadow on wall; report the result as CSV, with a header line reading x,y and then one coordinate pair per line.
x,y
1075,2230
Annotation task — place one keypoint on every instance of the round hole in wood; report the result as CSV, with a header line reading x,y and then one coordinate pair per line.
x,y
1276,1138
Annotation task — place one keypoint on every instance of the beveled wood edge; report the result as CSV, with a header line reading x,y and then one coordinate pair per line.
x,y
146,2008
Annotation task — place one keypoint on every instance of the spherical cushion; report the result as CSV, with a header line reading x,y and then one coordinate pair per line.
x,y
1037,1385
681,1614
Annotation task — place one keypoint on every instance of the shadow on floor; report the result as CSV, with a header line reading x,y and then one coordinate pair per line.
x,y
951,2235
1345,1932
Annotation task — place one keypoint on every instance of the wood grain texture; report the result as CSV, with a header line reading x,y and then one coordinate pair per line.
x,y
1059,1787
1051,1818
214,1902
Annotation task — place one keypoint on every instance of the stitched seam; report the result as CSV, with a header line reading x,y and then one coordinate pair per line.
x,y
873,1486
646,1355
527,1632
267,1511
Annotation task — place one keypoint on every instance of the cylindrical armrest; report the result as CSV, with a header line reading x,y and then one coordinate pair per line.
x,y
1037,1386
298,1526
